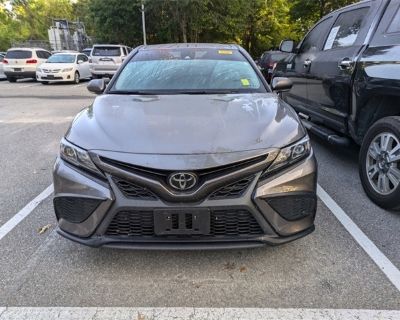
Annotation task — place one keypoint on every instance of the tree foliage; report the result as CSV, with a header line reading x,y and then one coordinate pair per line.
x,y
257,25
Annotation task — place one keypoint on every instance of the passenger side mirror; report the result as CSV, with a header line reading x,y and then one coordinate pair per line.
x,y
96,86
280,84
287,46
80,61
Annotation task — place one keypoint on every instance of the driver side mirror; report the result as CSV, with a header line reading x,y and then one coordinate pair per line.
x,y
80,61
96,86
287,46
280,84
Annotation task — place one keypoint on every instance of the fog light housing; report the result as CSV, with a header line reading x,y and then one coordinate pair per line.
x,y
75,209
294,207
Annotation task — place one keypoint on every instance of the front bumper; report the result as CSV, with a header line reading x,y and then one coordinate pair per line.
x,y
290,185
55,77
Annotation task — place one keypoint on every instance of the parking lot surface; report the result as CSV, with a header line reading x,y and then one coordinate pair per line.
x,y
325,270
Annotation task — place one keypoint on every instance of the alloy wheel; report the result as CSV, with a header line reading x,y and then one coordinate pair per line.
x,y
382,163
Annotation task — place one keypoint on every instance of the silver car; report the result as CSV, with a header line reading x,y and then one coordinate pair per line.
x,y
187,147
105,59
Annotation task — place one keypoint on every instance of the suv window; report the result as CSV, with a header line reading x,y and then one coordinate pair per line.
x,y
19,54
395,24
106,51
314,37
346,28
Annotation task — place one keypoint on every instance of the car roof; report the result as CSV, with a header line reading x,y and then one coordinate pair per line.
x,y
109,45
191,45
66,52
26,48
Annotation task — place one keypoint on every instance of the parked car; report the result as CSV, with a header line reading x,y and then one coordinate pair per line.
x,y
64,67
2,75
105,59
186,147
268,61
87,51
346,83
21,63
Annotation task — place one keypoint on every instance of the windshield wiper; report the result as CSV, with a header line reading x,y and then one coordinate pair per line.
x,y
138,92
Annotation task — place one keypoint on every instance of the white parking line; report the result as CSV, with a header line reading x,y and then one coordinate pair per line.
x,y
30,85
67,313
386,266
78,85
24,212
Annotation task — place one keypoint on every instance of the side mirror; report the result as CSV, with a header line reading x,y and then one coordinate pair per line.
x,y
96,86
280,84
287,46
80,61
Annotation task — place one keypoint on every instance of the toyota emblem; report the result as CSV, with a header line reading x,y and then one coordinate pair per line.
x,y
182,180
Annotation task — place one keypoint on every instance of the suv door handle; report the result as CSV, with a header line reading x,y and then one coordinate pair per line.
x,y
345,64
307,63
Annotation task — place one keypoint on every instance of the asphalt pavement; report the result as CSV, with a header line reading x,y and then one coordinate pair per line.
x,y
325,270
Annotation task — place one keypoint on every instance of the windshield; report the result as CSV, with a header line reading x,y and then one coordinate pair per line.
x,y
188,71
19,54
106,51
62,58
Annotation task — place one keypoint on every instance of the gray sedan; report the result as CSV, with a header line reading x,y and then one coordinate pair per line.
x,y
186,147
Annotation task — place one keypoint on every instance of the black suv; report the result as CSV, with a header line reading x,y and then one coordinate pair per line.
x,y
346,84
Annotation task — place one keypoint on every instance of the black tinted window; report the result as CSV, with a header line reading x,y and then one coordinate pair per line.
x,y
312,42
19,54
106,51
395,24
346,28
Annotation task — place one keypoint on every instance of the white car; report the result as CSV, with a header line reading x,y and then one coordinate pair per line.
x,y
105,59
64,67
21,63
2,75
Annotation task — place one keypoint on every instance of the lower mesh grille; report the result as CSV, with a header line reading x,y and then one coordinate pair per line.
x,y
133,191
233,190
74,209
294,207
223,223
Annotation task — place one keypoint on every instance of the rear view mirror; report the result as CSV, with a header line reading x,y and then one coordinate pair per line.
x,y
287,46
96,86
280,84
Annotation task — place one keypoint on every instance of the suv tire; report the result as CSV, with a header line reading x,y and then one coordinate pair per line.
x,y
11,79
379,163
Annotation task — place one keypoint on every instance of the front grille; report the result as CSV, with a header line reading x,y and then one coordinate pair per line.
x,y
294,207
74,209
234,190
203,174
223,223
133,191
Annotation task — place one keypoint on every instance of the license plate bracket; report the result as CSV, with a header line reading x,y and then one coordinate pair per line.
x,y
182,222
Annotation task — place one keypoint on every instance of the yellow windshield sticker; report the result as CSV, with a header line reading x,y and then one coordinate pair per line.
x,y
245,82
225,52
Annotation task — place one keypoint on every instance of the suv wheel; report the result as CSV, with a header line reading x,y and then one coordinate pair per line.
x,y
379,163
11,79
76,77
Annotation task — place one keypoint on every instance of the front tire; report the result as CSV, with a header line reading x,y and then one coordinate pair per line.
x,y
76,77
11,79
379,163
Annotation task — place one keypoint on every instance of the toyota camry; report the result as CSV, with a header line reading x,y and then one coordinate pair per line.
x,y
187,147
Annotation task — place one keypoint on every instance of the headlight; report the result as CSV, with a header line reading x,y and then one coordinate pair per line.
x,y
291,154
77,156
66,69
38,70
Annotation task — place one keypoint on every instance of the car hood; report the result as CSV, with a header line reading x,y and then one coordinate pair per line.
x,y
185,124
